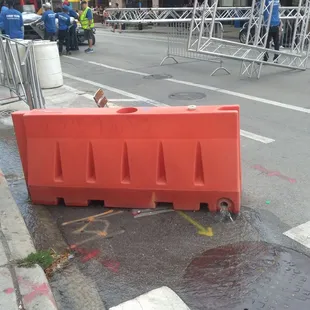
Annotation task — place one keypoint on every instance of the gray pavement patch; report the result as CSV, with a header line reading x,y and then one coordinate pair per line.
x,y
16,243
187,96
7,290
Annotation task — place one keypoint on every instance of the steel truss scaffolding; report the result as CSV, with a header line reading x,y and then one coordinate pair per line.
x,y
184,14
251,54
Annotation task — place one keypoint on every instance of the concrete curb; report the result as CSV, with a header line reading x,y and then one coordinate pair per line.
x,y
20,288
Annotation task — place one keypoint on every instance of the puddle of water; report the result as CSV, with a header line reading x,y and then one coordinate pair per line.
x,y
247,275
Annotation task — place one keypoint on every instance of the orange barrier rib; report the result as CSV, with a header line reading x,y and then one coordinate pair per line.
x,y
132,157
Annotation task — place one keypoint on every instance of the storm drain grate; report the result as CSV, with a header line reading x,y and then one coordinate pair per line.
x,y
158,76
6,113
187,96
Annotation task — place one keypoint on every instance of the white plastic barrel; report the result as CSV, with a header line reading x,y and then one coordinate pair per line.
x,y
21,51
48,64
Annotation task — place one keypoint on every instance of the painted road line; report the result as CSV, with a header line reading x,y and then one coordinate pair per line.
x,y
256,137
123,100
206,87
157,39
116,90
243,133
90,97
300,234
200,229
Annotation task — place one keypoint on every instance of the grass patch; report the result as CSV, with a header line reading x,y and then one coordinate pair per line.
x,y
42,258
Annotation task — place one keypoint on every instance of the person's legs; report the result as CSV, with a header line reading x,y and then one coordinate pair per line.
x,y
88,37
61,38
266,56
67,41
276,39
74,39
46,35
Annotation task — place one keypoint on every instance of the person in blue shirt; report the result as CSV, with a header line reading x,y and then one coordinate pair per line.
x,y
13,24
4,8
72,30
63,30
274,28
49,20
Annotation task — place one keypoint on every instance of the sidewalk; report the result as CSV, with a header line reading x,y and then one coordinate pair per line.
x,y
20,288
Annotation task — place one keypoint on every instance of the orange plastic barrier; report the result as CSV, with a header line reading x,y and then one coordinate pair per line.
x,y
132,157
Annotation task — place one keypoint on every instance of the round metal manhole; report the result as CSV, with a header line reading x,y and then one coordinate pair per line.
x,y
248,275
187,96
158,76
6,113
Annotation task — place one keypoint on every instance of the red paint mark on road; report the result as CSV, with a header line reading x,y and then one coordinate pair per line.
x,y
271,173
111,265
9,290
87,254
90,255
37,290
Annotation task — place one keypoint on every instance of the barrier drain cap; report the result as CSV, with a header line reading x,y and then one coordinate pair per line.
x,y
192,107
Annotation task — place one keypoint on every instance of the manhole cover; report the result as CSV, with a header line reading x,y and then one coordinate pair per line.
x,y
6,113
158,76
187,96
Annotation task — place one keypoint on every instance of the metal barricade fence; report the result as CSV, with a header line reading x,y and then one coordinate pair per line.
x,y
18,71
177,39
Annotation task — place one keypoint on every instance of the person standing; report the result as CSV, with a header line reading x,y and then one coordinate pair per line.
x,y
117,16
87,23
274,27
72,30
13,24
63,30
49,20
4,8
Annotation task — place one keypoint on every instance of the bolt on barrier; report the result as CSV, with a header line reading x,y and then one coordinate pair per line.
x,y
178,38
18,71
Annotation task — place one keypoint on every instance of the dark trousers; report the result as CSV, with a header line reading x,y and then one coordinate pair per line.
x,y
49,36
63,38
73,38
274,34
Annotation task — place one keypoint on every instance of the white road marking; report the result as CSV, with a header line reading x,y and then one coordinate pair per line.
x,y
116,90
159,299
90,97
207,87
156,39
256,137
300,234
243,133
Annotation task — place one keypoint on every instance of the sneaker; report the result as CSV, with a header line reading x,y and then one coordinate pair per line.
x,y
89,50
68,53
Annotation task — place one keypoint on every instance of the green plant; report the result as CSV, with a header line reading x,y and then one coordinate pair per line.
x,y
42,258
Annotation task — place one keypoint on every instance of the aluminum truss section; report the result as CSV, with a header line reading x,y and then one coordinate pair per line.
x,y
252,54
164,15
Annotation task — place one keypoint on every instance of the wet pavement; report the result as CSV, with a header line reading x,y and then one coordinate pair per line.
x,y
209,261
238,264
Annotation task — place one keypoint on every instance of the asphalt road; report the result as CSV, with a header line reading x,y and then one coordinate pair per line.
x,y
243,263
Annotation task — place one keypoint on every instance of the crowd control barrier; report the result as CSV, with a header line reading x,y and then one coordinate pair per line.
x,y
132,157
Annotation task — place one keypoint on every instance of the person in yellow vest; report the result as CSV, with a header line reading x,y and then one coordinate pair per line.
x,y
87,23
